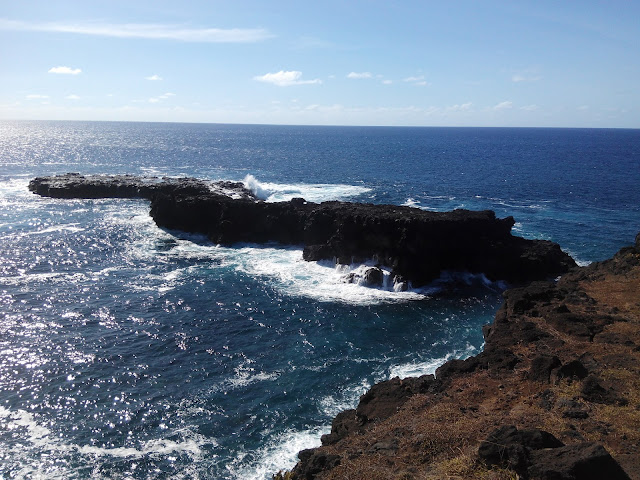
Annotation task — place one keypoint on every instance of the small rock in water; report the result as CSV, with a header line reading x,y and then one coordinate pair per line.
x,y
373,277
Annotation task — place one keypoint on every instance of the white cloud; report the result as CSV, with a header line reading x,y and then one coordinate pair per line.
x,y
285,79
503,105
357,75
36,97
464,107
419,81
72,97
65,70
144,30
387,82
159,98
153,78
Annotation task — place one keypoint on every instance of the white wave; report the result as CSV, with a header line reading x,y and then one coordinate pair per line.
x,y
245,374
41,441
70,227
279,453
323,281
343,400
21,419
429,366
579,261
312,192
190,446
410,202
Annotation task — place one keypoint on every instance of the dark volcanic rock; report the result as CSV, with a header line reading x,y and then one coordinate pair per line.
x,y
536,454
74,185
509,447
541,367
418,245
580,461
312,462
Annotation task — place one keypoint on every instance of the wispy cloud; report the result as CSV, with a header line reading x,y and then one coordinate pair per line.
x,y
153,78
72,97
419,81
159,98
36,97
463,107
530,108
65,70
387,82
503,105
517,78
144,30
286,78
359,75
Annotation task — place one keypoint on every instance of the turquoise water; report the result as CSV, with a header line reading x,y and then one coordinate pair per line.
x,y
127,351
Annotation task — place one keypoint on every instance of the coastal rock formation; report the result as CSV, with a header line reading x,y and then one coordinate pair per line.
x,y
74,185
554,395
417,245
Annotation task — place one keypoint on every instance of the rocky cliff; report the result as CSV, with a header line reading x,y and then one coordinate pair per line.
x,y
416,244
554,395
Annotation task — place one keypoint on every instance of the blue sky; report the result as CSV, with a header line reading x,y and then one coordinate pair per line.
x,y
458,63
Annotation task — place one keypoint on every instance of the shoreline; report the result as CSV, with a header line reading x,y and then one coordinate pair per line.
x,y
556,390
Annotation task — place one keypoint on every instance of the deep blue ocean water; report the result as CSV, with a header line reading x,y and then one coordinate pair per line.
x,y
129,352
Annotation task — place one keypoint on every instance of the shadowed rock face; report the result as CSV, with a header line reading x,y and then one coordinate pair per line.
x,y
416,244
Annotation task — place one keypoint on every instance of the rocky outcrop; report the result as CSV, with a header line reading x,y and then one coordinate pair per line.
x,y
74,185
554,394
417,245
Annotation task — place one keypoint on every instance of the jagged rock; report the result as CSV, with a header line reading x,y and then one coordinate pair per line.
x,y
509,447
343,424
385,398
579,461
416,244
373,277
573,369
541,367
312,462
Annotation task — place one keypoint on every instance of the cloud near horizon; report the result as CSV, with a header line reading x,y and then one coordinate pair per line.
x,y
153,78
358,75
65,70
503,105
286,78
143,30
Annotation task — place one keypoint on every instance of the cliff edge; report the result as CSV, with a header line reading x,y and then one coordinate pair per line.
x,y
554,395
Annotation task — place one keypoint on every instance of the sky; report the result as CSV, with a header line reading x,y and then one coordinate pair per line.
x,y
423,63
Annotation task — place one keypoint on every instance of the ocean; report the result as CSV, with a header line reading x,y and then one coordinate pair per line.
x,y
131,352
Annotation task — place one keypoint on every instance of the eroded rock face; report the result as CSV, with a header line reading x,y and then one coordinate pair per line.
x,y
418,245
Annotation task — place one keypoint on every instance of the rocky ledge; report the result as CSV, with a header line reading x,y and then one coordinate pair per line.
x,y
417,245
74,185
555,395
